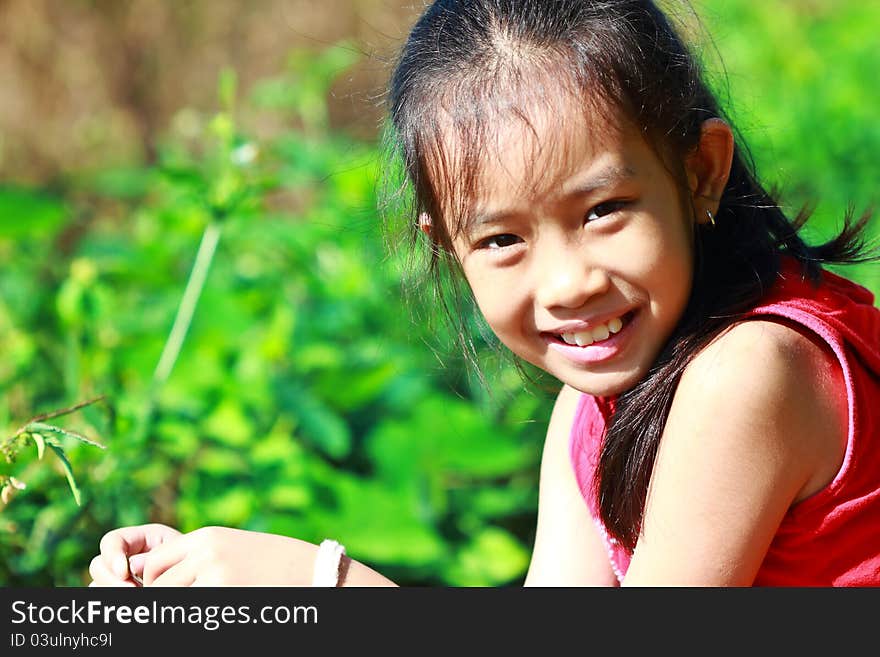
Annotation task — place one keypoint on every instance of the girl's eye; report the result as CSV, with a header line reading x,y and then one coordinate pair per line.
x,y
603,209
499,241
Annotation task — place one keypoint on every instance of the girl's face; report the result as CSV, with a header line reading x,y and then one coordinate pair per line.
x,y
586,270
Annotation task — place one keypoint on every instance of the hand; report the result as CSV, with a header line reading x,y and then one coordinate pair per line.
x,y
220,556
123,552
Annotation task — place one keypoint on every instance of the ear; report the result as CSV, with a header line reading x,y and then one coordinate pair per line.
x,y
708,167
425,223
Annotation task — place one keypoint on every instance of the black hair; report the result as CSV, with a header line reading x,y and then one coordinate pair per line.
x,y
467,60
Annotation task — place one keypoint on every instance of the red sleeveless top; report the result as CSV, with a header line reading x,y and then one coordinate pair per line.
x,y
831,538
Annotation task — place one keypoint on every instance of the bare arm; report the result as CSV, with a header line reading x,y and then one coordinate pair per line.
x,y
568,548
157,555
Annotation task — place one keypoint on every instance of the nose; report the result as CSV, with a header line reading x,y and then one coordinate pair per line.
x,y
565,279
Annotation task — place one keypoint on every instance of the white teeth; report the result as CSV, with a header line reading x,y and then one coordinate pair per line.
x,y
598,333
583,339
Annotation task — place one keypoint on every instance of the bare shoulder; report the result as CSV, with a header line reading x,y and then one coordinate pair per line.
x,y
756,424
781,384
785,347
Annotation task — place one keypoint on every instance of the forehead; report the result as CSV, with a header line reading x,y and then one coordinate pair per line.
x,y
518,152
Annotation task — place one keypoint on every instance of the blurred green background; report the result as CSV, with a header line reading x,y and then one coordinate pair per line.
x,y
306,399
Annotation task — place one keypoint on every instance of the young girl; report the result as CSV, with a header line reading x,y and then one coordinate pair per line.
x,y
718,422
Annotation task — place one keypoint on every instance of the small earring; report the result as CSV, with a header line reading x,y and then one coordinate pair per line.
x,y
425,223
711,218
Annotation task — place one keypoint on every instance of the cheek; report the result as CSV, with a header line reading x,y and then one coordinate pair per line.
x,y
673,268
499,309
660,261
490,305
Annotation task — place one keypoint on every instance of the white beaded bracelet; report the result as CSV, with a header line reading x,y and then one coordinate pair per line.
x,y
327,561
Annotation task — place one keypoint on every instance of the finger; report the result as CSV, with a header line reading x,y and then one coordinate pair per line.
x,y
163,557
116,583
136,566
103,576
119,544
137,538
180,574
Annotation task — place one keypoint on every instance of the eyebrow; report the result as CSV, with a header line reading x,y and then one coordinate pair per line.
x,y
605,177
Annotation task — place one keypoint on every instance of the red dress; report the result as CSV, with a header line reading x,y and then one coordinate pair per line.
x,y
831,538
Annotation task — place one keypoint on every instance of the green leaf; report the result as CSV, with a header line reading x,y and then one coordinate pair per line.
x,y
182,175
454,438
493,557
381,523
68,472
24,212
231,507
40,442
221,462
318,423
495,501
230,424
289,496
39,427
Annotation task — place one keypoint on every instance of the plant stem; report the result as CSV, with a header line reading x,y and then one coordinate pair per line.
x,y
59,412
187,307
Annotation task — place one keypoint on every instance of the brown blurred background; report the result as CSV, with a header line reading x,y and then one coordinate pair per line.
x,y
88,84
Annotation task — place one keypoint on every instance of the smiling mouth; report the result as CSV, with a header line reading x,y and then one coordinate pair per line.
x,y
597,335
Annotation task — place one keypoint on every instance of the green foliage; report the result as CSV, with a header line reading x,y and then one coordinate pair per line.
x,y
798,78
44,214
297,396
276,382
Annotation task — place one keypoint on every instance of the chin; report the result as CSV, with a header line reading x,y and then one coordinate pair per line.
x,y
603,385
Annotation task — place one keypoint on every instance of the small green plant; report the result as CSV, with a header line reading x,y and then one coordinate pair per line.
x,y
43,435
